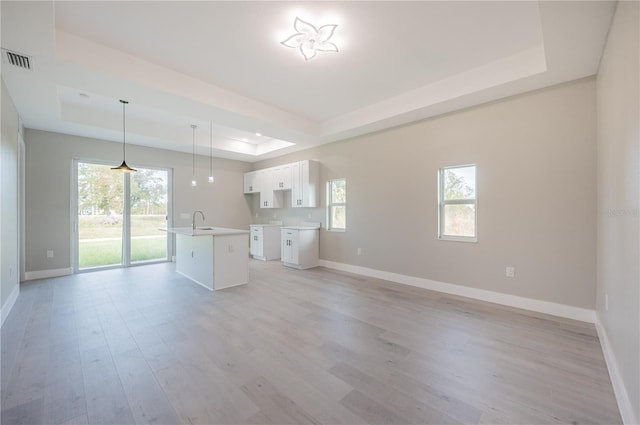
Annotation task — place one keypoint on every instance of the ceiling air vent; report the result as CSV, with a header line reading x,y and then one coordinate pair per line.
x,y
17,59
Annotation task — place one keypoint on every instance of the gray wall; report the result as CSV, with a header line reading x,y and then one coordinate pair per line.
x,y
536,157
618,192
9,266
49,160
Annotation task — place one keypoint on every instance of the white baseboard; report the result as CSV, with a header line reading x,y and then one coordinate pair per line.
x,y
45,274
619,389
8,305
546,307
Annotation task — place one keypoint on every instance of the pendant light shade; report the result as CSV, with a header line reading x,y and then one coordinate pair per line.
x,y
194,183
124,168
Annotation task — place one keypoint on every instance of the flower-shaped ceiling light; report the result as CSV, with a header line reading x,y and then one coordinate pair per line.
x,y
311,40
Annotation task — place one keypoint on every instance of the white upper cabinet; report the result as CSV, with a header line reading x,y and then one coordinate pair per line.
x,y
268,197
282,177
305,182
251,182
302,178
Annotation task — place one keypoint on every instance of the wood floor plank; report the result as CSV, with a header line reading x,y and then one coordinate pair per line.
x,y
273,404
107,403
370,410
148,402
413,409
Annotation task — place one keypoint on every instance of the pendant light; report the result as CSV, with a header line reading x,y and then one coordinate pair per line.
x,y
211,178
124,168
194,183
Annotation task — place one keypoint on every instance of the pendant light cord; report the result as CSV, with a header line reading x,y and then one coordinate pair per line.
x,y
124,129
193,164
210,148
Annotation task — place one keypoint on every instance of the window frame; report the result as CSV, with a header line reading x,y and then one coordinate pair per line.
x,y
442,203
331,204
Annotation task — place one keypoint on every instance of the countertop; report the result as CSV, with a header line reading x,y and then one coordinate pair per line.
x,y
205,231
266,225
301,227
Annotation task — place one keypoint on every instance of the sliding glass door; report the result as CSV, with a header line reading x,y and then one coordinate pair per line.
x,y
118,216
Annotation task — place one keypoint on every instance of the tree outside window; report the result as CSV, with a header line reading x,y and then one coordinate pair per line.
x,y
457,203
337,204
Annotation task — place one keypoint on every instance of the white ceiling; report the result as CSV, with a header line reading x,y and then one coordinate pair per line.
x,y
180,63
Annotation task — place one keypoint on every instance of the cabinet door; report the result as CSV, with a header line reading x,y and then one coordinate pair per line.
x,y
250,182
296,185
255,241
284,247
289,252
304,184
282,177
257,245
295,254
271,199
268,197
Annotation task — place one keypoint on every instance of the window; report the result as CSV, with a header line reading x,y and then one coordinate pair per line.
x,y
337,204
457,203
118,216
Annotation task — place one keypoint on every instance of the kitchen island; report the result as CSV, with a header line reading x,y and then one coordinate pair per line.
x,y
214,257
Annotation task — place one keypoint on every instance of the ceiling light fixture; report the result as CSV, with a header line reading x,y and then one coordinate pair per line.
x,y
310,39
194,183
211,178
124,168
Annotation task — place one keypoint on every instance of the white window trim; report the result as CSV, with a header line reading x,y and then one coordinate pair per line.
x,y
330,228
442,202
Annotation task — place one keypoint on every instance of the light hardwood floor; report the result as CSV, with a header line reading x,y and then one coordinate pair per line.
x,y
145,345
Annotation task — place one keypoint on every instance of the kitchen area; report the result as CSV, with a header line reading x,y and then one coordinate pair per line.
x,y
218,257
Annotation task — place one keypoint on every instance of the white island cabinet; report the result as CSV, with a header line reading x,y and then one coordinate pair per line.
x,y
300,246
215,258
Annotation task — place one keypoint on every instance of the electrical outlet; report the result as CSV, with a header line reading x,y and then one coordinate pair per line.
x,y
49,253
309,216
185,216
510,272
10,271
606,302
256,215
275,215
359,251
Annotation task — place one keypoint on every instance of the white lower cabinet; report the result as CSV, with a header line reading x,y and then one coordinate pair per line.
x,y
265,242
300,247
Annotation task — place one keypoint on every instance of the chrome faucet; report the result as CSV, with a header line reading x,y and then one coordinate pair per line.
x,y
193,221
